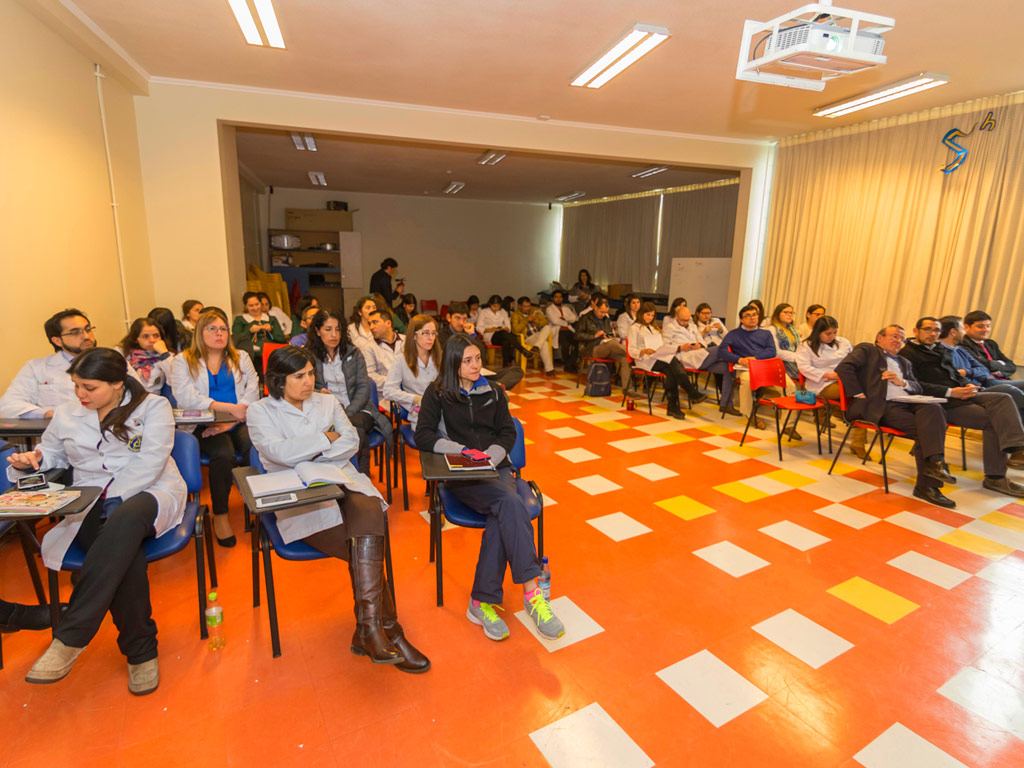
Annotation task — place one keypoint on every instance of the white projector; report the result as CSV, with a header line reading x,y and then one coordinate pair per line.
x,y
811,45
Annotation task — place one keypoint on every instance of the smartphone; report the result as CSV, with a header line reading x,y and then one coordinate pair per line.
x,y
32,482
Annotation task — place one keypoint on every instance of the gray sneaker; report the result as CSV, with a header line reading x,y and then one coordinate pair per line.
x,y
487,617
549,625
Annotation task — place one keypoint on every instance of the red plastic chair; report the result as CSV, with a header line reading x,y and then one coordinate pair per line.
x,y
428,306
772,373
265,352
876,428
650,381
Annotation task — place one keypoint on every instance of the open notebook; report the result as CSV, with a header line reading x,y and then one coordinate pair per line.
x,y
305,475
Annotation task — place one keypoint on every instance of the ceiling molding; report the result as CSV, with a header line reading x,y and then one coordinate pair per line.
x,y
70,22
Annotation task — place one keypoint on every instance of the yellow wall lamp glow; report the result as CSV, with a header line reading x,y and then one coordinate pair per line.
x,y
641,40
268,20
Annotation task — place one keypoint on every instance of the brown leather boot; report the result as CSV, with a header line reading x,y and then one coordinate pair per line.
x,y
366,567
415,662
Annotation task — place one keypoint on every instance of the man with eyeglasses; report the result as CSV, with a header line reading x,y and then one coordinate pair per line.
x,y
43,384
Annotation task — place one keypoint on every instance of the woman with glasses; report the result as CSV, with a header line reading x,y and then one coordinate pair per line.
x,y
341,371
212,376
408,378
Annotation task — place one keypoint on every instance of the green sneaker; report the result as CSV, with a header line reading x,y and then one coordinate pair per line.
x,y
549,625
487,617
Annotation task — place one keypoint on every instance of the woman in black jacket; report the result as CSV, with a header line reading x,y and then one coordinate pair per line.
x,y
462,412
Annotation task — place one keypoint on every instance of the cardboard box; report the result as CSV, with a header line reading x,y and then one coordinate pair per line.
x,y
318,219
618,290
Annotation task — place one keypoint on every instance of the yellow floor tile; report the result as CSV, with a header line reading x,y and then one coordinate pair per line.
x,y
611,426
741,492
676,437
790,478
1005,520
873,599
841,468
972,474
976,544
747,450
554,415
717,429
595,409
684,507
527,441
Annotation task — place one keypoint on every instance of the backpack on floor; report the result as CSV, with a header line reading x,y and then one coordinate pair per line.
x,y
599,381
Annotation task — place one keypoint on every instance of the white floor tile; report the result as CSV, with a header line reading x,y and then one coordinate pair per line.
x,y
595,484
900,747
619,526
721,441
532,396
445,525
989,697
589,737
923,525
795,535
653,472
661,427
731,558
929,569
512,406
578,625
634,444
996,533
807,640
548,501
838,488
974,501
577,455
567,399
767,484
727,456
597,418
563,433
847,516
712,687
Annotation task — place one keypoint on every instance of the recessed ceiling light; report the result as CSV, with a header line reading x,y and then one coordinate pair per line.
x,y
310,143
570,196
454,187
490,158
265,9
642,39
897,90
303,141
654,170
318,179
245,20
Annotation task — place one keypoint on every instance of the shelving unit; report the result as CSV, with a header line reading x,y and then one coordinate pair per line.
x,y
318,272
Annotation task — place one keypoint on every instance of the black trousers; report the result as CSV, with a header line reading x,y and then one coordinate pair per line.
x,y
114,578
995,414
682,377
675,377
508,535
568,347
221,450
507,342
924,423
364,424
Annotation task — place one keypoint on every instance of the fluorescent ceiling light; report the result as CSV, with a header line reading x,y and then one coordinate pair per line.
x,y
490,158
654,170
641,40
299,144
245,20
310,143
896,90
454,187
570,196
303,141
268,19
318,179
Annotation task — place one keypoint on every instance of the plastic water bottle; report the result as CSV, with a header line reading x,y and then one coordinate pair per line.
x,y
215,623
544,580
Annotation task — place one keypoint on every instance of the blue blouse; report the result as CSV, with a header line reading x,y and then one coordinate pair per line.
x,y
222,385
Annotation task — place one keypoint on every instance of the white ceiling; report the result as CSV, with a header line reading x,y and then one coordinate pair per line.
x,y
517,56
365,165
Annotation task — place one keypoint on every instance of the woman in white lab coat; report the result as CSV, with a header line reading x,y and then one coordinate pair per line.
x,y
145,350
496,326
296,424
628,316
212,375
421,360
648,349
119,438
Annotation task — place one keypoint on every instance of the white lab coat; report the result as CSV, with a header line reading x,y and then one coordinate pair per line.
x,y
493,320
358,336
283,320
560,319
194,393
645,337
402,385
144,463
286,436
815,366
677,335
622,324
380,359
716,335
41,385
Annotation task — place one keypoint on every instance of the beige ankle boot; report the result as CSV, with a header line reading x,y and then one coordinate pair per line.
x,y
53,665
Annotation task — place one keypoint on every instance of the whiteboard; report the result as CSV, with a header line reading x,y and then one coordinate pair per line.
x,y
701,280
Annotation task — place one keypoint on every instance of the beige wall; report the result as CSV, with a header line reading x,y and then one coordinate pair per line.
x,y
58,246
486,247
179,146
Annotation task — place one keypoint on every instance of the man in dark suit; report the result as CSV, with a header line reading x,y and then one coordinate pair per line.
x,y
978,328
872,375
381,282
967,405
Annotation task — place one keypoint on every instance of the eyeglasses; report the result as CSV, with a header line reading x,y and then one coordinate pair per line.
x,y
426,333
216,329
76,332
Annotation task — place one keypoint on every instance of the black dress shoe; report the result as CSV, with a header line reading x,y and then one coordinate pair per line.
x,y
697,399
229,542
938,470
934,496
1003,485
29,617
675,413
732,411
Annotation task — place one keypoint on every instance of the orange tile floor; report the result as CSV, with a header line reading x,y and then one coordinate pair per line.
x,y
728,610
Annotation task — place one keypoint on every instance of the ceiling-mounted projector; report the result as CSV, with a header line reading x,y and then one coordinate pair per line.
x,y
811,45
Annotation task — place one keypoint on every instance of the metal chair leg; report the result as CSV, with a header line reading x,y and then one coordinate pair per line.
x,y
405,481
437,556
839,452
268,572
778,433
201,577
29,545
870,447
255,543
963,447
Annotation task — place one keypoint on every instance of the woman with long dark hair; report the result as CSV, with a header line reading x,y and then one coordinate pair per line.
x,y
407,310
496,326
341,372
582,290
296,424
463,411
646,347
359,332
191,309
144,349
173,333
119,438
817,359
211,375
410,376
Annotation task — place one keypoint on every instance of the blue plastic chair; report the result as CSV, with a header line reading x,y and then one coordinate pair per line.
x,y
266,538
443,502
165,391
195,524
406,436
380,445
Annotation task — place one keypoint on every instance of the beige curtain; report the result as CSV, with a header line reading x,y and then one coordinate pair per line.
x,y
615,241
696,224
864,221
